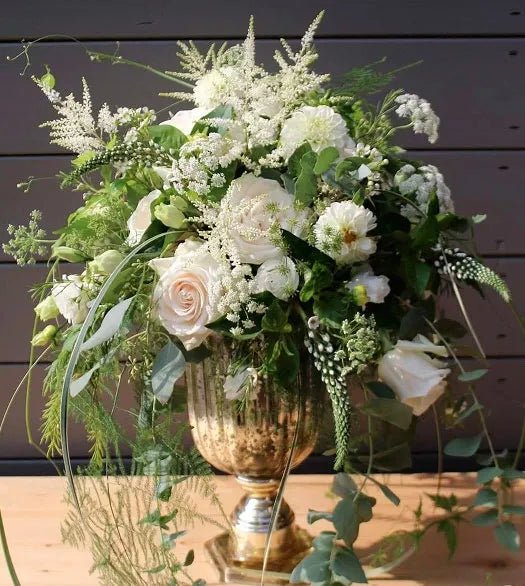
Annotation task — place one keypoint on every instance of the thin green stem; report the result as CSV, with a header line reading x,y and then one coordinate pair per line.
x,y
8,559
439,441
521,445
118,60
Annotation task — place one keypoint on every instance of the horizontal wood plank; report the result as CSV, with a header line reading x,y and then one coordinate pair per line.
x,y
33,510
488,182
162,18
475,85
500,392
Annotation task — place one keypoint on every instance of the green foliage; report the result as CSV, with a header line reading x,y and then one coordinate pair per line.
x,y
463,447
390,410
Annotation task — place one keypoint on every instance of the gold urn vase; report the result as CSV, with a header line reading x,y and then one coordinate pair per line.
x,y
252,439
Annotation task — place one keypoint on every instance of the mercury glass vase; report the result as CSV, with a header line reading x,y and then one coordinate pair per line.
x,y
252,439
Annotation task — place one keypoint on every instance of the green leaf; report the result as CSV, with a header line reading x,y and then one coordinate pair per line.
x,y
79,384
380,390
413,323
318,278
486,519
167,136
512,474
325,159
349,513
110,325
343,485
314,568
83,158
301,250
346,564
447,503
463,447
513,510
425,234
190,557
390,410
448,528
423,272
168,367
450,328
275,319
389,493
331,307
294,162
507,536
306,184
168,541
155,518
486,475
469,411
472,375
486,497
348,165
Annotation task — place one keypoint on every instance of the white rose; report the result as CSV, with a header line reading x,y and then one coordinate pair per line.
x,y
376,286
71,297
320,126
185,296
252,208
184,120
416,378
140,219
341,232
278,276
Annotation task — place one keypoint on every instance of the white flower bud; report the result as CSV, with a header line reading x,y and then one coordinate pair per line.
x,y
47,309
170,216
106,262
45,337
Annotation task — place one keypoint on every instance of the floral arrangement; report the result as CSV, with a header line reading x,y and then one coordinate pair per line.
x,y
277,211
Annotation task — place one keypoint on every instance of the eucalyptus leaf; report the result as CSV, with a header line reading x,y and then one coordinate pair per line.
x,y
380,390
325,159
486,475
463,447
390,410
110,325
314,516
486,497
486,519
472,375
343,485
507,535
346,564
168,367
80,383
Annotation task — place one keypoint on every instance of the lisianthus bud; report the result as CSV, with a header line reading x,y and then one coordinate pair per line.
x,y
45,337
359,295
170,216
68,253
106,262
47,309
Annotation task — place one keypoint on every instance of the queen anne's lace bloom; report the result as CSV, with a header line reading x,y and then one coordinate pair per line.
x,y
424,120
341,232
421,183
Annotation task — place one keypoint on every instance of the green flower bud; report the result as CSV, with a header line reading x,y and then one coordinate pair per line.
x,y
170,216
45,337
106,262
359,295
47,309
68,253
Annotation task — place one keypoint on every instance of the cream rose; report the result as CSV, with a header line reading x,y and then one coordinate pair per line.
x,y
278,276
185,296
417,379
184,120
253,208
140,219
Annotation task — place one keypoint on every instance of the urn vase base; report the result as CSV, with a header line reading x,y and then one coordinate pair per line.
x,y
278,571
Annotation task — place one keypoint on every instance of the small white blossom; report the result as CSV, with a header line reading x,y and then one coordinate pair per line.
x,y
376,286
279,276
424,120
71,297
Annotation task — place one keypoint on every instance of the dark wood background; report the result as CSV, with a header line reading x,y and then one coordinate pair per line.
x,y
473,73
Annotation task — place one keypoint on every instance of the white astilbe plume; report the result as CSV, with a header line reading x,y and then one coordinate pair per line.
x,y
76,130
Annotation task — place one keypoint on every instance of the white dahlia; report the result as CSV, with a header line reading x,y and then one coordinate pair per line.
x,y
320,126
341,232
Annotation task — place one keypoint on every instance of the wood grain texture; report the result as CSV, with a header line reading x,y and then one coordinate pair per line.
x,y
499,391
475,85
486,181
33,509
173,19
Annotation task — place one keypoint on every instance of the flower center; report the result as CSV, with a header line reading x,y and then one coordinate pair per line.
x,y
349,237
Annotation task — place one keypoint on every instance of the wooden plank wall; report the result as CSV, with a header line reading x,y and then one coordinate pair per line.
x,y
473,74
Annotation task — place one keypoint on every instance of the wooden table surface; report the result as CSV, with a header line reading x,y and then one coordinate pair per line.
x,y
33,509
